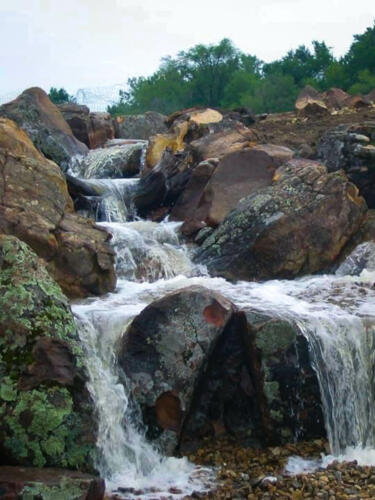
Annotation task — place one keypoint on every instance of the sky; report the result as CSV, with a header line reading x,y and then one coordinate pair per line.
x,y
93,43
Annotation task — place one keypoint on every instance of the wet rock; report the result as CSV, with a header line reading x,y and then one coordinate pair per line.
x,y
31,482
93,129
282,231
41,119
164,354
35,206
164,183
349,147
47,415
110,163
362,257
140,126
236,176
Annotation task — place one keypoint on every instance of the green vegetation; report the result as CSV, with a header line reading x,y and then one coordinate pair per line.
x,y
60,96
223,76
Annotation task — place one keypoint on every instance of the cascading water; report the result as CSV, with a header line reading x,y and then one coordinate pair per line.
x,y
334,312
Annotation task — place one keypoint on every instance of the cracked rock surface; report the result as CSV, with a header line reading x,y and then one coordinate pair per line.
x,y
298,225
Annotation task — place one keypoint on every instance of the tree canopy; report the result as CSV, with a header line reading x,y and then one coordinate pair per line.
x,y
60,96
222,76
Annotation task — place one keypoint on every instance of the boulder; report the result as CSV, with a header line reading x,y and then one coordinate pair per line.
x,y
164,183
357,102
118,161
47,415
41,119
35,206
237,175
259,385
165,351
185,126
93,129
139,126
335,98
298,225
188,201
310,103
218,143
349,147
371,96
47,483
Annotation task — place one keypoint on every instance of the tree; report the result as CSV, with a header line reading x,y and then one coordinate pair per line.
x,y
60,96
361,55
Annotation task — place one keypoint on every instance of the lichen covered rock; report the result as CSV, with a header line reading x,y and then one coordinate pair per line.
x,y
298,225
46,415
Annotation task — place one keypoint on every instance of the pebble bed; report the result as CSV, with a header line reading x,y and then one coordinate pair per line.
x,y
243,473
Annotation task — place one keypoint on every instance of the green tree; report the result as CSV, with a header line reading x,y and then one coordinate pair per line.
x,y
60,96
361,55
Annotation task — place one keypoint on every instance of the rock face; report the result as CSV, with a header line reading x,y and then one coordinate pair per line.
x,y
164,183
310,102
335,98
110,162
93,129
35,206
31,482
46,411
297,225
236,176
222,138
199,367
185,126
350,148
259,383
165,350
140,126
41,119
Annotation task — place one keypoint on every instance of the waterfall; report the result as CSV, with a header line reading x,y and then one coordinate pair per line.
x,y
335,313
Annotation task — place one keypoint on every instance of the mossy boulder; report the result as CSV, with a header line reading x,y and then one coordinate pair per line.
x,y
46,414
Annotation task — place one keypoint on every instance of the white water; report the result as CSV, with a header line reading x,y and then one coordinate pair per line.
x,y
336,313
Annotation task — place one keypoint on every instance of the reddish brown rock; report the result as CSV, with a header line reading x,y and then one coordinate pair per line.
x,y
356,102
335,98
35,206
45,125
93,129
31,482
236,176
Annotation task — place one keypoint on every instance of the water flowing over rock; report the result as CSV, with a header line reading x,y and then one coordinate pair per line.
x,y
140,126
165,182
349,147
46,412
111,162
163,362
35,206
41,119
237,175
283,230
93,129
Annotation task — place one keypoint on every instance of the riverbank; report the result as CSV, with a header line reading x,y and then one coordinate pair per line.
x,y
254,474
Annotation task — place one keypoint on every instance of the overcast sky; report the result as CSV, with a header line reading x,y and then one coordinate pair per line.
x,y
85,43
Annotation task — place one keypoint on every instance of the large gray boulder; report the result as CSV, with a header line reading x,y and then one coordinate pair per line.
x,y
139,126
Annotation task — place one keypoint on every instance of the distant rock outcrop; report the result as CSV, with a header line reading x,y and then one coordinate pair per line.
x,y
45,125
